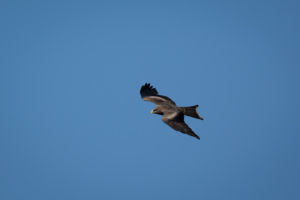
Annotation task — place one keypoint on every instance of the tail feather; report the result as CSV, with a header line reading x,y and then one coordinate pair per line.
x,y
191,111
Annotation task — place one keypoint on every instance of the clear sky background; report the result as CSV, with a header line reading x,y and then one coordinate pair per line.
x,y
73,124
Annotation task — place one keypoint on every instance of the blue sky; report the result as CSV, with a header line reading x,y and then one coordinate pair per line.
x,y
73,125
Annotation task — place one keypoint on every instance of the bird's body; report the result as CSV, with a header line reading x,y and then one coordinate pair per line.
x,y
172,114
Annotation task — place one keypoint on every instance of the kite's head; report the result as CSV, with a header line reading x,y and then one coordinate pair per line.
x,y
156,111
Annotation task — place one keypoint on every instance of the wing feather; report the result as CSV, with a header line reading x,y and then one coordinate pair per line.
x,y
177,123
148,93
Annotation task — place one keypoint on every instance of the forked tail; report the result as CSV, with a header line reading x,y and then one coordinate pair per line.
x,y
191,111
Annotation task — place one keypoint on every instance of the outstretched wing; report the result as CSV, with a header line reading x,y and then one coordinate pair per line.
x,y
148,93
177,123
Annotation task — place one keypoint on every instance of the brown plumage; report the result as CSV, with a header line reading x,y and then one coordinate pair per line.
x,y
172,114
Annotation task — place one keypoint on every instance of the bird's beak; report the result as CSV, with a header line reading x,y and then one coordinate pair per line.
x,y
151,111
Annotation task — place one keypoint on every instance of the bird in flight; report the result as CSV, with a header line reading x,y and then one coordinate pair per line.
x,y
172,114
